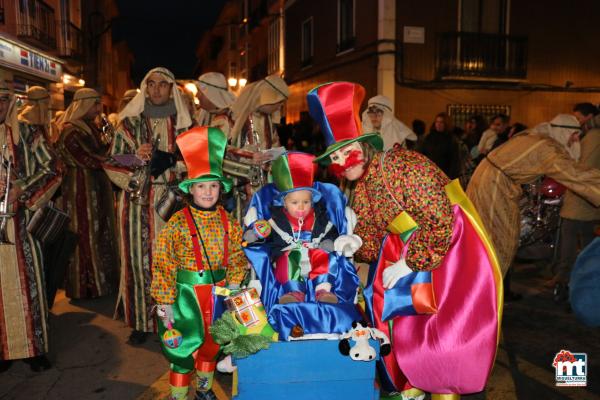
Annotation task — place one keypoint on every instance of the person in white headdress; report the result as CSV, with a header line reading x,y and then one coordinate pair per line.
x,y
550,149
215,102
379,117
256,111
33,180
87,197
145,167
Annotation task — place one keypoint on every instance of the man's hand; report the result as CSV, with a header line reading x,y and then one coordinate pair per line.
x,y
144,152
393,273
14,194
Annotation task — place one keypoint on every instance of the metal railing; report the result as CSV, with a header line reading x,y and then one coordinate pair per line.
x,y
480,55
70,40
35,22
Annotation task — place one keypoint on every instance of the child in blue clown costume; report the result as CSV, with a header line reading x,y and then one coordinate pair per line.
x,y
305,281
301,233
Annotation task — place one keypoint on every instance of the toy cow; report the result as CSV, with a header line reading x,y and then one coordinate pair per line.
x,y
360,334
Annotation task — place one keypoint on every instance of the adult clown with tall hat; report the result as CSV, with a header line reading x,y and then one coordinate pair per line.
x,y
435,286
198,248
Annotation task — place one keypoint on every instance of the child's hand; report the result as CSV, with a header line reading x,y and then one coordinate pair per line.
x,y
164,312
347,245
250,236
327,245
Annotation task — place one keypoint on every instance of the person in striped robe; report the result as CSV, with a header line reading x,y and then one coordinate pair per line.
x,y
23,304
88,198
149,124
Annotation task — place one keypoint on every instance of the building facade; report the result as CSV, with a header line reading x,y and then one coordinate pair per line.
x,y
246,42
458,56
43,43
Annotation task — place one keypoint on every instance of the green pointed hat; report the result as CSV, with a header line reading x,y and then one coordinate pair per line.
x,y
203,149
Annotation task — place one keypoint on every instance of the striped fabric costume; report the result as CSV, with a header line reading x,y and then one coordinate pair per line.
x,y
139,225
23,307
88,199
138,222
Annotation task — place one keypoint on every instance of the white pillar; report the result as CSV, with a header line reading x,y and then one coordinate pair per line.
x,y
386,30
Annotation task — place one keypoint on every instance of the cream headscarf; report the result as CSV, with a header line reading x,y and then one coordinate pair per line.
x,y
36,110
83,100
136,105
127,97
392,130
270,90
11,119
213,85
560,129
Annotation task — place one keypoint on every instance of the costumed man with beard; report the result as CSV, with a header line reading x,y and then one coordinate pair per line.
x,y
149,125
88,199
33,180
379,117
215,102
435,288
550,149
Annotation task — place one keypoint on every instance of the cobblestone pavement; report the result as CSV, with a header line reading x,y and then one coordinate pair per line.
x,y
92,361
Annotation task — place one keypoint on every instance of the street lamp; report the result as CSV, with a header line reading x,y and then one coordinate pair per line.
x,y
242,82
232,81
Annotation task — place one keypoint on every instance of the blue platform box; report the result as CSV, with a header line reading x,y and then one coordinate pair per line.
x,y
309,369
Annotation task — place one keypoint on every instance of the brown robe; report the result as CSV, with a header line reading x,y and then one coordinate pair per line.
x,y
495,188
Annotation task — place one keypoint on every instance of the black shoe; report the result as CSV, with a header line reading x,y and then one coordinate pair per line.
x,y
509,297
137,337
5,365
207,395
38,364
560,294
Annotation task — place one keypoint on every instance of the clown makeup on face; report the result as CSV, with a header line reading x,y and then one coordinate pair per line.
x,y
348,162
158,89
205,194
298,203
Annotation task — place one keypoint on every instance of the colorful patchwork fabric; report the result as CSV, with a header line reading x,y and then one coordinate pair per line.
x,y
417,186
174,251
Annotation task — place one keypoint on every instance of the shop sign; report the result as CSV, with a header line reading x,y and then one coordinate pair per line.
x,y
29,61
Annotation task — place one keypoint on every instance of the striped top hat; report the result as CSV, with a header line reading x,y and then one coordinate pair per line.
x,y
295,171
335,107
203,149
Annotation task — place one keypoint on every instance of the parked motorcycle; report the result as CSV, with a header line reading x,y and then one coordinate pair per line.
x,y
540,220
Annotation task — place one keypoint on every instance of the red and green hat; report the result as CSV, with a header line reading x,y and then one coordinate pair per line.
x,y
335,107
295,171
203,149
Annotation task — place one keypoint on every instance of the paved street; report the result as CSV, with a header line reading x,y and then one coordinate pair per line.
x,y
92,361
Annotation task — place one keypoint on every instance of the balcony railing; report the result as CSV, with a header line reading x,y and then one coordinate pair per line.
x,y
466,55
35,23
70,40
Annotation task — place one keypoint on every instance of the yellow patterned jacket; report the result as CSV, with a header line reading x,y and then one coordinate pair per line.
x,y
174,250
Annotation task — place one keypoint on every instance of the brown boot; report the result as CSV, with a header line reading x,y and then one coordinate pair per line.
x,y
291,297
324,296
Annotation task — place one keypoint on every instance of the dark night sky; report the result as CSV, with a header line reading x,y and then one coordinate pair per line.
x,y
164,32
